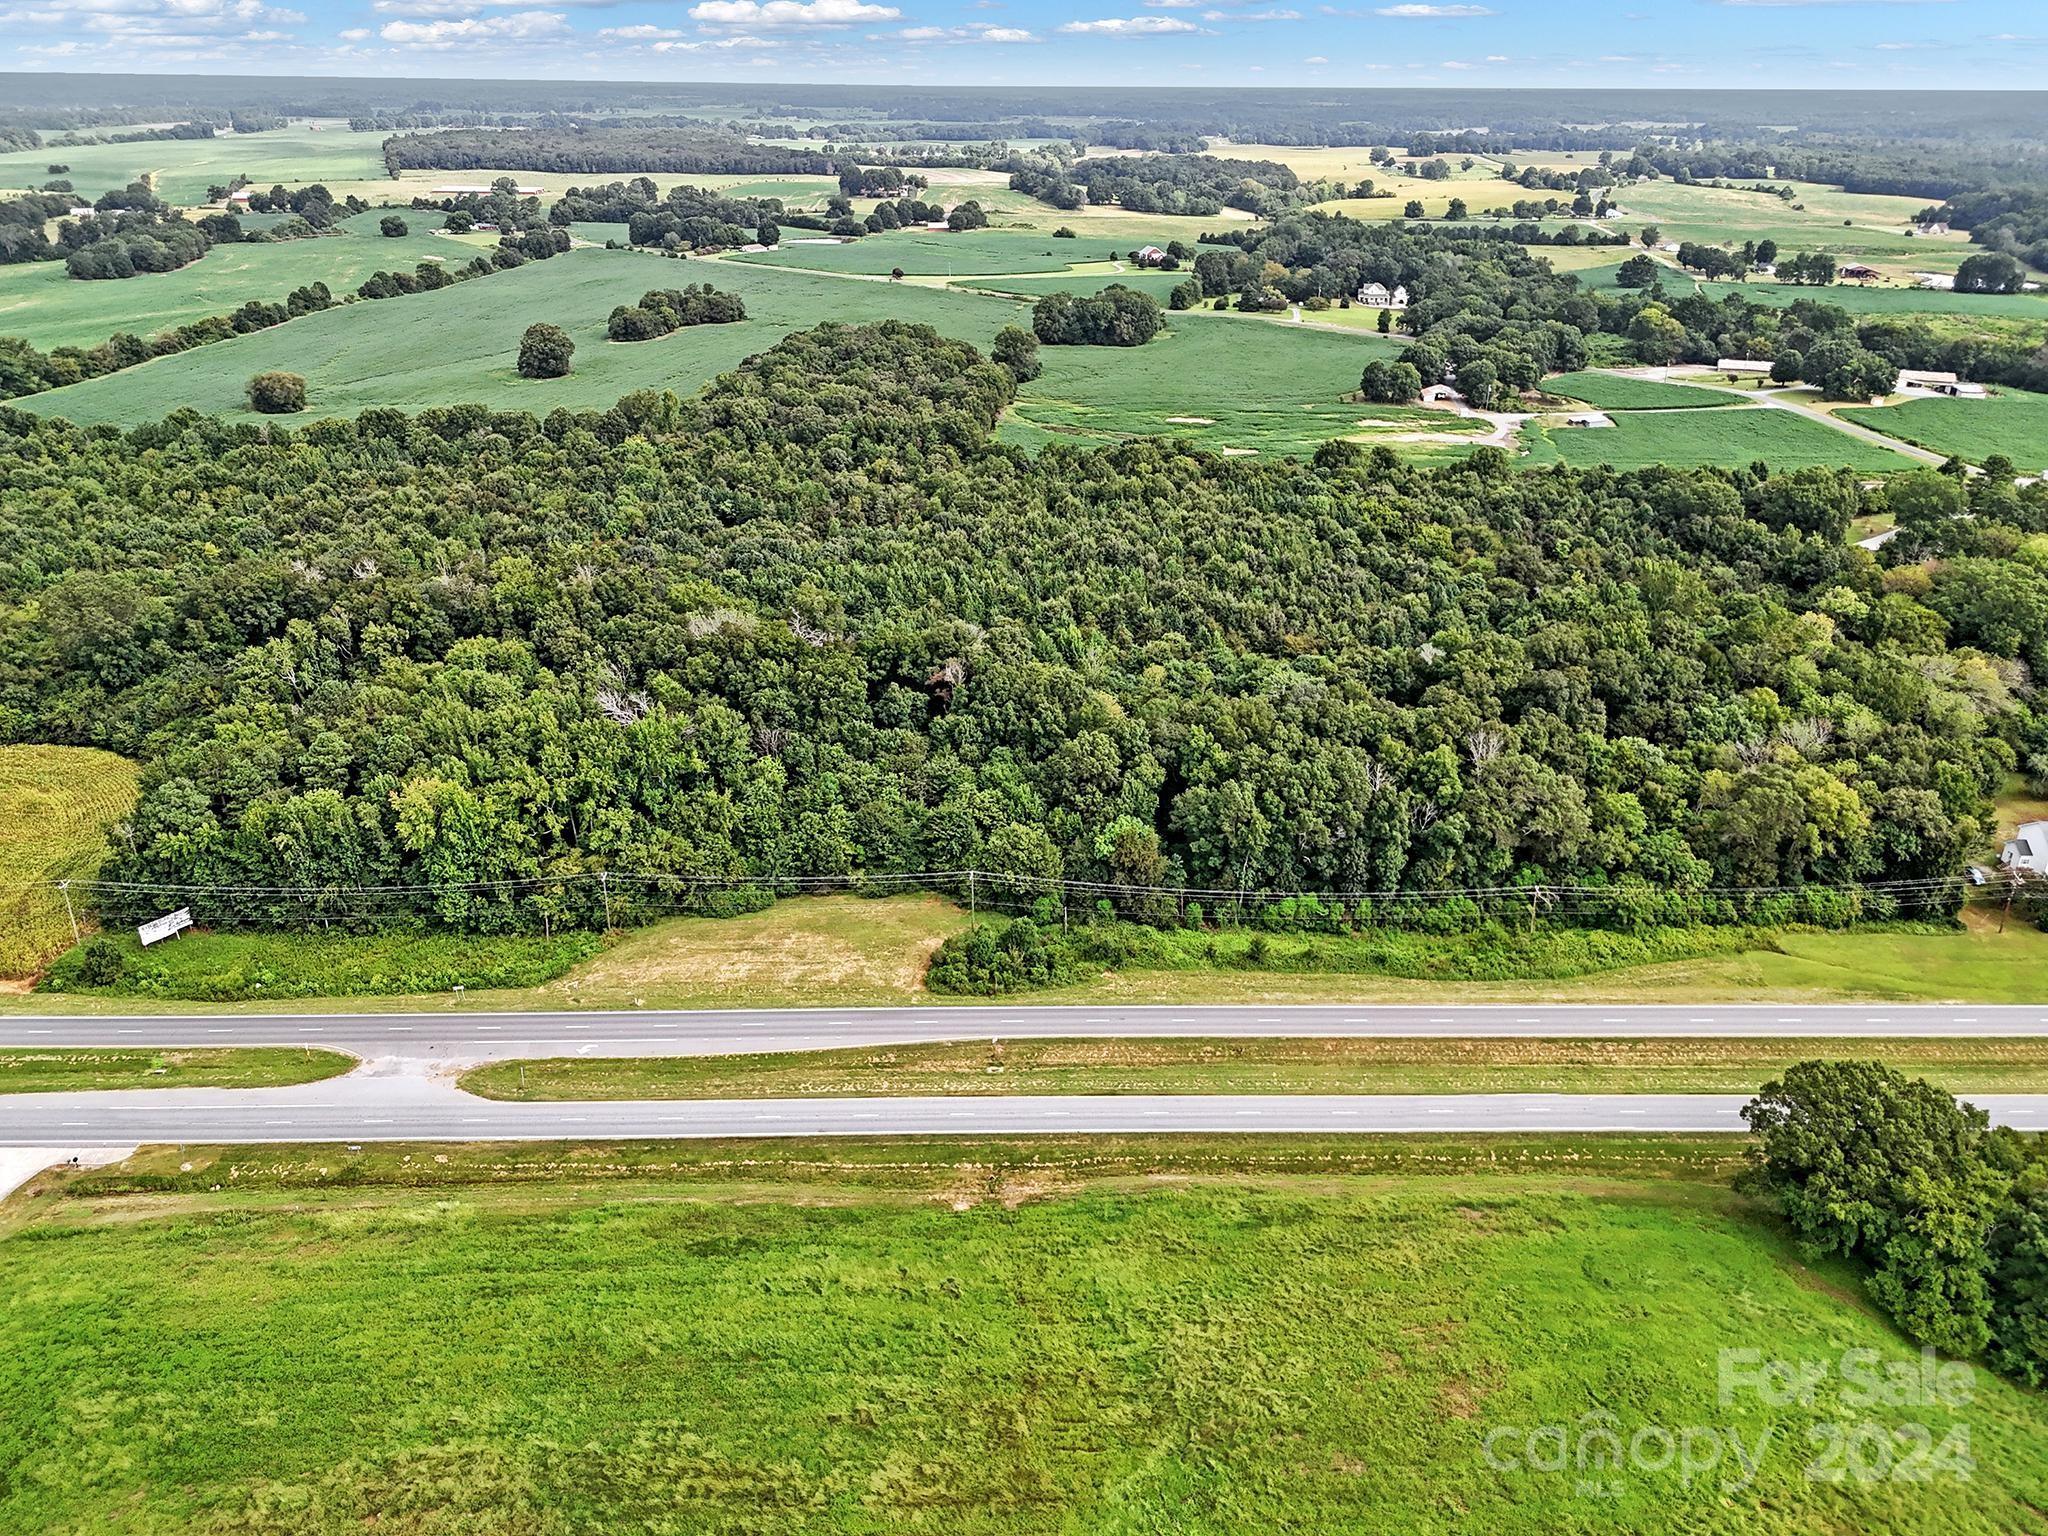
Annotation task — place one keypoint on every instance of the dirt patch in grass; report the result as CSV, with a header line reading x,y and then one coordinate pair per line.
x,y
851,950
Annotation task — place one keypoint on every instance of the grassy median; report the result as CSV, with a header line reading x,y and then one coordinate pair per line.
x,y
69,1071
1257,1066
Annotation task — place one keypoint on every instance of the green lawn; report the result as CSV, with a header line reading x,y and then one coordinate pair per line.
x,y
40,302
1783,439
182,169
1692,1065
2012,422
1619,392
1236,382
68,1071
56,804
906,1337
459,344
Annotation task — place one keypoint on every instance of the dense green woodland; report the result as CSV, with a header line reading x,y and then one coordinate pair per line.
x,y
817,620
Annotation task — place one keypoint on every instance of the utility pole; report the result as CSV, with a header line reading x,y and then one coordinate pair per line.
x,y
604,886
970,891
70,911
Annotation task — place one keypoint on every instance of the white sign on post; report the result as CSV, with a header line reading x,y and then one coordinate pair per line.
x,y
163,927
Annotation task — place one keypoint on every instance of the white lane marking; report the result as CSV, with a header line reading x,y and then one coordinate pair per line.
x,y
1632,1111
490,1026
1439,1111
1251,1111
767,1117
277,1122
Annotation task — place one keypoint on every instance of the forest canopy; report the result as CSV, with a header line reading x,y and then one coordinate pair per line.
x,y
818,621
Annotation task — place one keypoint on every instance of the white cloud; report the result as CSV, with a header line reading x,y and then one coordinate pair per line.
x,y
1779,4
355,35
1434,12
973,32
517,27
1130,26
742,40
1272,15
643,32
785,15
1172,5
1315,58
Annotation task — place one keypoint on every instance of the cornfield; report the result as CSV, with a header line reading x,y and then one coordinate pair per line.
x,y
55,806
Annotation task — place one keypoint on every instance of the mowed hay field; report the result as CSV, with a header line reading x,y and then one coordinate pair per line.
x,y
42,303
2012,422
1224,381
181,170
460,343
920,253
1621,392
923,1337
55,805
1783,439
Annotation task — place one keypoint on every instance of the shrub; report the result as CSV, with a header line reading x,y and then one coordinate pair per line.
x,y
392,227
994,958
277,394
544,352
101,964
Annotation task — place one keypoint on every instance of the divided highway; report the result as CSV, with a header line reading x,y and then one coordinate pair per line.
x,y
405,1090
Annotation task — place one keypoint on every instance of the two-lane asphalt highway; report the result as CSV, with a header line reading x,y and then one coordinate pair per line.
x,y
453,1037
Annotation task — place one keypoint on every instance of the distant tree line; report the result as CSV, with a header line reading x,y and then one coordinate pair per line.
x,y
602,149
1177,184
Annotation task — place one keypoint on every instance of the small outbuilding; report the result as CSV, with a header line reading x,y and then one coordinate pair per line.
x,y
1744,367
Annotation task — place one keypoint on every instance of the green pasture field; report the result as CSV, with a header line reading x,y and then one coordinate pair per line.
x,y
1620,392
459,343
40,302
1783,439
929,253
1877,233
969,1338
1158,284
180,170
2012,422
56,804
1239,382
2030,308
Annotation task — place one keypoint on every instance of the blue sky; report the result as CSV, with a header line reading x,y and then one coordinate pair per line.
x,y
1775,43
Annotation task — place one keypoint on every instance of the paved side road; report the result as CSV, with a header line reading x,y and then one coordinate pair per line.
x,y
386,1105
460,1038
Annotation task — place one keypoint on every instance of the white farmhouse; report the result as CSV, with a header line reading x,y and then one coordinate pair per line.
x,y
2027,853
1380,296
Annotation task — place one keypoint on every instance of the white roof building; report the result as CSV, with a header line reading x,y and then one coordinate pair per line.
x,y
1922,378
1380,296
2028,850
1750,365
